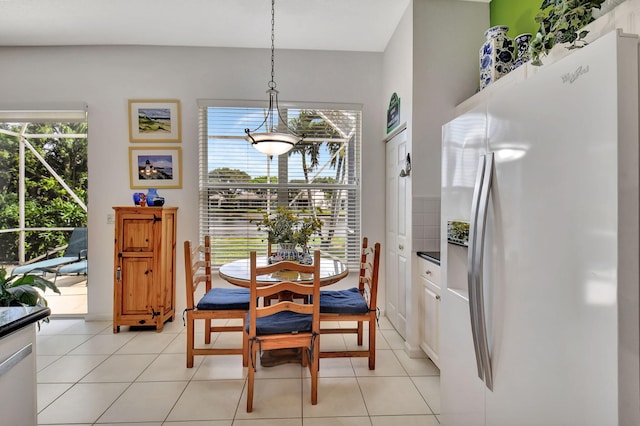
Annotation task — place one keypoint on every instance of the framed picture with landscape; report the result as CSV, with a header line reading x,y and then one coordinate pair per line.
x,y
155,167
154,120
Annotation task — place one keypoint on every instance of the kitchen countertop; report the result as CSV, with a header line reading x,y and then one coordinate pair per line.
x,y
14,318
431,256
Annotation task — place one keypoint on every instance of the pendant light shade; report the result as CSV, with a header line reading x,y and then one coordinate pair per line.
x,y
273,136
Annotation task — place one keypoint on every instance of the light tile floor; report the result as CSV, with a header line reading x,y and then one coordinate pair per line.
x,y
87,375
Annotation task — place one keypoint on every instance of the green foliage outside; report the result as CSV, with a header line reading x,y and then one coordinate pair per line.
x,y
47,203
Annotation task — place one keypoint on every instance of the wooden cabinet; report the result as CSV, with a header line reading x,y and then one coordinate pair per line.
x,y
144,284
429,309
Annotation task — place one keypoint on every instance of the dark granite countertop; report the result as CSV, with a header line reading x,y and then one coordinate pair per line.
x,y
14,318
431,256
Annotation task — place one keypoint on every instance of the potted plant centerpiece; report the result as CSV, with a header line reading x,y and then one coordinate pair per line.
x,y
289,231
561,21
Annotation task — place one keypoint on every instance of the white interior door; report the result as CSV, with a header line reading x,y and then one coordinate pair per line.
x,y
398,244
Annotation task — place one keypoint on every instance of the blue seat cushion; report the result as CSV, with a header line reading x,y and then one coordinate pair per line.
x,y
224,299
283,323
343,302
74,268
44,265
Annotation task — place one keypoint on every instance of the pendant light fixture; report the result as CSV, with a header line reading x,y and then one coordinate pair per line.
x,y
270,141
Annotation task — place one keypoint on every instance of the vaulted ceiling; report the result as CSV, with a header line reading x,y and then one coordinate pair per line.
x,y
352,25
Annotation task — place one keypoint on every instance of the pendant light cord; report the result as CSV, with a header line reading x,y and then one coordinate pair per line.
x,y
272,83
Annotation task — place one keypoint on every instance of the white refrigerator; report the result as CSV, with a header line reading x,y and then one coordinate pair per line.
x,y
539,314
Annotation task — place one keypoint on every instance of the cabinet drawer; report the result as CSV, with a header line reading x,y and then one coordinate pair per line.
x,y
429,270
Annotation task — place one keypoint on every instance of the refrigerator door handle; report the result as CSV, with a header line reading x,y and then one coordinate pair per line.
x,y
483,206
471,262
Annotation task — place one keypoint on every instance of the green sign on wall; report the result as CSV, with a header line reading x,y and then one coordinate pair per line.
x,y
393,113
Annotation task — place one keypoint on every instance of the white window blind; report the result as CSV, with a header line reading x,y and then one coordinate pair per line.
x,y
320,176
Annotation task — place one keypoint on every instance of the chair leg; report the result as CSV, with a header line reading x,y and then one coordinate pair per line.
x,y
250,379
372,344
207,331
245,346
360,332
190,340
314,367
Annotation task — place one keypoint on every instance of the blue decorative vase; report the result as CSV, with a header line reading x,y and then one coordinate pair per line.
x,y
496,55
152,194
522,45
287,251
136,198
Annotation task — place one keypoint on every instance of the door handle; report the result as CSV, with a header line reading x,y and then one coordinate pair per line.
x,y
471,262
407,167
480,236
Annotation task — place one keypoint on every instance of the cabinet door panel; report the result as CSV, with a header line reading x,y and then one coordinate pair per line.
x,y
137,284
137,235
431,322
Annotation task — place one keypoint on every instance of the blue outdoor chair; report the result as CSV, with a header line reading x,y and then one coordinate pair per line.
x,y
75,252
75,268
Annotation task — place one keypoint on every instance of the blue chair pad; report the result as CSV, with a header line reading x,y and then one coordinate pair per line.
x,y
43,265
343,302
73,268
283,323
224,299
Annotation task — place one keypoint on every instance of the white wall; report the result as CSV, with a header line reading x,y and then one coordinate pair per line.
x,y
432,64
397,72
105,77
447,38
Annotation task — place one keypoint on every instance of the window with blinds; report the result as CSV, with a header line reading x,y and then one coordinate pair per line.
x,y
320,176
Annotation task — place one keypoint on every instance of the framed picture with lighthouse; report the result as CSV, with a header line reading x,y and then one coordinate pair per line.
x,y
155,167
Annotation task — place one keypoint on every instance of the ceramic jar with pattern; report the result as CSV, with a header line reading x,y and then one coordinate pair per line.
x,y
496,55
287,251
522,49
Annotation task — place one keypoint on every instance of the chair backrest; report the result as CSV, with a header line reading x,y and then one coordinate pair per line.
x,y
77,246
369,267
197,268
286,285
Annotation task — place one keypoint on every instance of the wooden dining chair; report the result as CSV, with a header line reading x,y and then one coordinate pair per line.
x,y
216,304
285,324
355,304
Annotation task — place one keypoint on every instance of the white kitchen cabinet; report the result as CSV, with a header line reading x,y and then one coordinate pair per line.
x,y
18,401
429,308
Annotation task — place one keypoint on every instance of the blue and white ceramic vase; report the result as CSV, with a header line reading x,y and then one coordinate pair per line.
x,y
496,55
152,194
287,251
522,48
305,256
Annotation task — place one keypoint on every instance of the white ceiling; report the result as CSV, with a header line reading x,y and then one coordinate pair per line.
x,y
353,25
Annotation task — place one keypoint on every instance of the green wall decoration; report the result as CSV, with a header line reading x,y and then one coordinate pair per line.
x,y
517,15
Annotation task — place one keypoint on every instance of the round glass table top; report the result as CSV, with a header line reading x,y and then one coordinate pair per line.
x,y
238,273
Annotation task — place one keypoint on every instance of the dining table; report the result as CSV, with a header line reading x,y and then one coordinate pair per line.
x,y
238,272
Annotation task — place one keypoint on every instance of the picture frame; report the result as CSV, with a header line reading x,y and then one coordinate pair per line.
x,y
155,120
155,167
